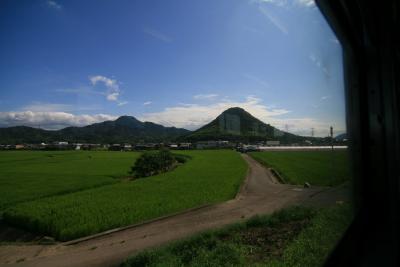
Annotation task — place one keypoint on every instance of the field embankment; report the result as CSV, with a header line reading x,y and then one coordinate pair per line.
x,y
209,177
324,168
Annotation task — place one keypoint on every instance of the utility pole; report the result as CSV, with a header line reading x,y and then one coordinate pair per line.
x,y
333,155
312,132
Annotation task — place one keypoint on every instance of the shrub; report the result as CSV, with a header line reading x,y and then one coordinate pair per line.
x,y
181,158
165,160
152,163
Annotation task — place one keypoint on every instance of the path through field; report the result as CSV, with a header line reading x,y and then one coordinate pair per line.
x,y
260,194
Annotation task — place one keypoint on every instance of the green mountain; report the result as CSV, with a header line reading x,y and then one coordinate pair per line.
x,y
236,124
125,129
341,137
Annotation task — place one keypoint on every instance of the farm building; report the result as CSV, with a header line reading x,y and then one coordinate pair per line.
x,y
115,147
213,144
185,145
273,143
127,147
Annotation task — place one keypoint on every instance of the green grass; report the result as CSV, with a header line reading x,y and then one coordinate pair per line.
x,y
315,243
316,167
29,175
296,236
208,177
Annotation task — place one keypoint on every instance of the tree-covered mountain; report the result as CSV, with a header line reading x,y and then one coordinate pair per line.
x,y
125,129
236,124
341,137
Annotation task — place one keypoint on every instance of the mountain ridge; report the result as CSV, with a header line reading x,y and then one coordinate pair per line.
x,y
234,124
125,129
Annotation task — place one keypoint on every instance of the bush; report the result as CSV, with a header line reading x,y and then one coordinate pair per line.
x,y
152,163
165,160
181,158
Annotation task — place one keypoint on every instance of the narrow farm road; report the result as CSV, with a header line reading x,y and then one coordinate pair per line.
x,y
260,194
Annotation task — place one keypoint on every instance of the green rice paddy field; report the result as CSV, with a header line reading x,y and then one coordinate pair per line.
x,y
70,194
324,168
37,189
29,175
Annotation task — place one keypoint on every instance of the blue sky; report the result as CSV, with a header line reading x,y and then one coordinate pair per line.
x,y
176,62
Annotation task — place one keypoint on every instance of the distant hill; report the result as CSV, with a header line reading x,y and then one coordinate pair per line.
x,y
125,129
236,124
341,137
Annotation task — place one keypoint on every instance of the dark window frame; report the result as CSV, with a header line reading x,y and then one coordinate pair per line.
x,y
369,32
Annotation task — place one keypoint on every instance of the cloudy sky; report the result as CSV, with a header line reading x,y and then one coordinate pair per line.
x,y
177,62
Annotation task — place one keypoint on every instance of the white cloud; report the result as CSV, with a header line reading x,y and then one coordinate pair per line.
x,y
50,120
302,126
110,83
264,7
280,3
319,63
158,35
113,90
287,3
322,99
307,3
192,116
147,103
205,96
113,96
80,90
122,103
47,107
52,107
334,40
54,4
275,21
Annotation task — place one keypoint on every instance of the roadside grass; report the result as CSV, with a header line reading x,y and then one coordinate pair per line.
x,y
314,244
325,168
296,236
29,175
208,177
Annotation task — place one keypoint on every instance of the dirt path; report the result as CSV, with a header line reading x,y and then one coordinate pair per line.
x,y
260,194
